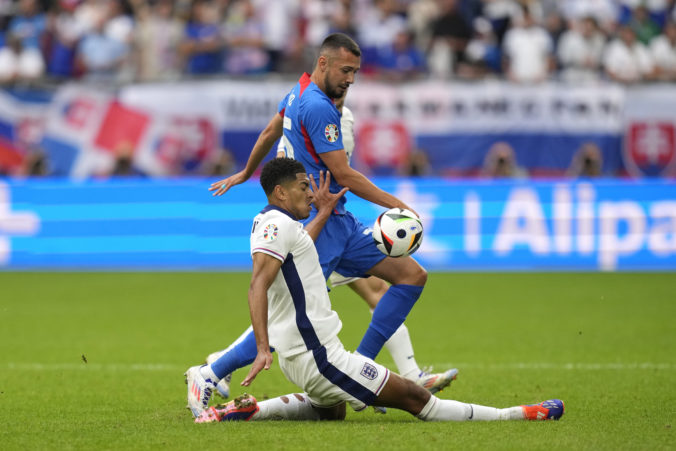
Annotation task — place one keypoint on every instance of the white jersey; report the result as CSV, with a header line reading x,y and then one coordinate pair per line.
x,y
299,309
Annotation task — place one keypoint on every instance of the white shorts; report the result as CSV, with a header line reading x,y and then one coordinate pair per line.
x,y
332,375
338,279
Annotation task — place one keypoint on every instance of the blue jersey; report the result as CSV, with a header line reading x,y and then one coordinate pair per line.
x,y
311,127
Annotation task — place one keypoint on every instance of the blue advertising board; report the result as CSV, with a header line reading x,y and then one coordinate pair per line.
x,y
175,224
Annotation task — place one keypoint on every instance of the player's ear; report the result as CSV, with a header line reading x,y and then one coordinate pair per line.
x,y
279,192
323,62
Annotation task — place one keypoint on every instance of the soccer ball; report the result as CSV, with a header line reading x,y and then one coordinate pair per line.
x,y
398,232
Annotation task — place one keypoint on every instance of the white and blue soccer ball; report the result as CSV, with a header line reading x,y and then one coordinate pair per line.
x,y
398,232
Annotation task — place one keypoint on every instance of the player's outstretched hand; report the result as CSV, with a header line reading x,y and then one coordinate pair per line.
x,y
222,186
262,362
322,197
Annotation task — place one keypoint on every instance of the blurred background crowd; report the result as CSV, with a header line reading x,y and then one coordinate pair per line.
x,y
590,44
524,41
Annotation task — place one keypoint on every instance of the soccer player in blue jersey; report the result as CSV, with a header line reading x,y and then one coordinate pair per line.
x,y
370,289
309,123
290,310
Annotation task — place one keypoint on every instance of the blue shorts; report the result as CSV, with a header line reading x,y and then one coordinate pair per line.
x,y
346,246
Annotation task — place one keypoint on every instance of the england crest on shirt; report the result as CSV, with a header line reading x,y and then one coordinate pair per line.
x,y
331,133
369,371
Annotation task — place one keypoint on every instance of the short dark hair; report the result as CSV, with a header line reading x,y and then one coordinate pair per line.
x,y
337,41
279,171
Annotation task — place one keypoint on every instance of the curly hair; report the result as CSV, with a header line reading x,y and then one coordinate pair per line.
x,y
279,171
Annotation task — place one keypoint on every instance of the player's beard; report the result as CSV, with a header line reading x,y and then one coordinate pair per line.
x,y
331,90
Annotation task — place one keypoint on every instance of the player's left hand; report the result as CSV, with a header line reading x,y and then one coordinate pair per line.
x,y
323,198
262,362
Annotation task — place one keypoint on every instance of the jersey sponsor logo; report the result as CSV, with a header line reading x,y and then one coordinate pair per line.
x,y
292,97
270,232
369,371
331,133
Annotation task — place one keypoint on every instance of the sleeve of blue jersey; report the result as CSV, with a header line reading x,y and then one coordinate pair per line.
x,y
319,116
282,104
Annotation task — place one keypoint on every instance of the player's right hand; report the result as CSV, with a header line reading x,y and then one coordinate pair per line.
x,y
222,186
322,197
263,361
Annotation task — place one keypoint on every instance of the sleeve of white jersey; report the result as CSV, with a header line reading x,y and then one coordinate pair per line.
x,y
280,147
274,237
347,129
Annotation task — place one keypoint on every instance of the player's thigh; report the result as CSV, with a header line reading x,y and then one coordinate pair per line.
x,y
400,270
338,377
359,252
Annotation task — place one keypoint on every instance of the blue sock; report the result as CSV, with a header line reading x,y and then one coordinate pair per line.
x,y
238,356
388,315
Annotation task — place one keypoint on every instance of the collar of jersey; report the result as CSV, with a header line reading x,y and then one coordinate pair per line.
x,y
281,210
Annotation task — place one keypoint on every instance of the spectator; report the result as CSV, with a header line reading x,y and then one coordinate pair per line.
x,y
482,55
203,44
378,28
64,32
527,51
157,37
6,11
657,10
280,20
420,15
28,25
556,27
120,27
317,15
644,27
100,55
341,21
35,163
417,164
400,61
450,36
244,37
605,12
123,165
221,163
500,162
18,64
502,14
25,38
581,52
625,59
663,50
587,162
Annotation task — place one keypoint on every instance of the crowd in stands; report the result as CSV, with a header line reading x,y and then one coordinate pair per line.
x,y
526,41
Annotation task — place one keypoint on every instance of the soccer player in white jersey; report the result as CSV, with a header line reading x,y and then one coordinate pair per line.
x,y
370,290
291,311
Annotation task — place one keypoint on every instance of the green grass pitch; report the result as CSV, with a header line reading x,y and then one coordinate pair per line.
x,y
604,343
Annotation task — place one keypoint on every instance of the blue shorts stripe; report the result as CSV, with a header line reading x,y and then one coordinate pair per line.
x,y
333,374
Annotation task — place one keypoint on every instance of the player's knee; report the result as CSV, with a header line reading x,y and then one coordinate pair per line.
x,y
411,274
418,276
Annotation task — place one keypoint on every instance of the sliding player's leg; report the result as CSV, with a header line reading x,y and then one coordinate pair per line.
x,y
399,345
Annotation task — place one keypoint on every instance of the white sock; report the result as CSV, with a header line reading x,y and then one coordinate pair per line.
x,y
207,373
295,406
446,410
400,347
